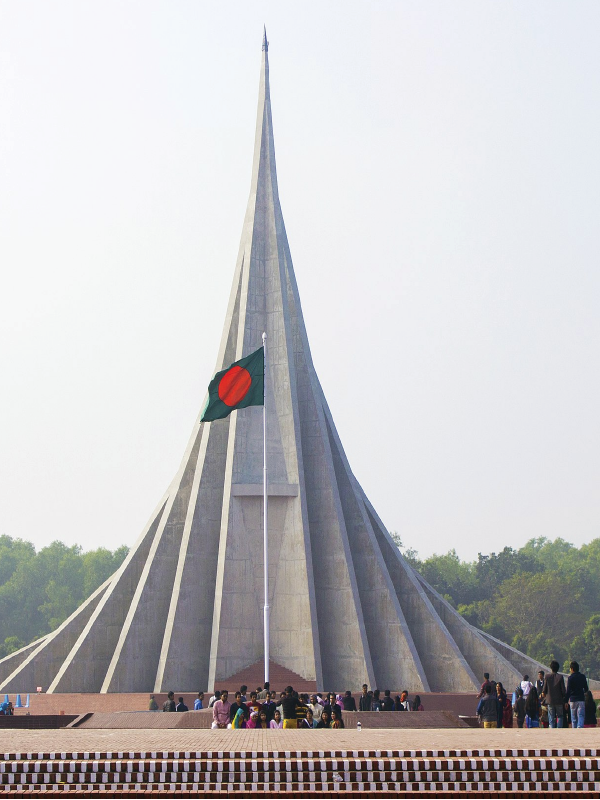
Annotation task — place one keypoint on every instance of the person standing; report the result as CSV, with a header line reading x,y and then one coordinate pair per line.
x,y
507,712
577,686
349,702
267,690
501,697
387,704
181,706
199,702
553,693
532,709
169,704
269,707
364,702
331,702
526,685
288,707
253,704
519,707
486,682
301,709
402,703
539,684
375,701
487,710
417,705
236,706
591,712
153,705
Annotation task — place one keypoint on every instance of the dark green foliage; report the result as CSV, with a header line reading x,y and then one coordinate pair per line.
x,y
38,591
543,599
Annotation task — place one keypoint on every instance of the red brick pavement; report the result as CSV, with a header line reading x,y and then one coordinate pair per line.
x,y
399,763
181,740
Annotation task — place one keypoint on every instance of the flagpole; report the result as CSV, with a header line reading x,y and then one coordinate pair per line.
x,y
265,520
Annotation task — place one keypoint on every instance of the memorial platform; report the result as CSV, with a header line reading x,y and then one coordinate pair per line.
x,y
461,703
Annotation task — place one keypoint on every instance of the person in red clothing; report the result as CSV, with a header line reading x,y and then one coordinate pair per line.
x,y
253,704
486,682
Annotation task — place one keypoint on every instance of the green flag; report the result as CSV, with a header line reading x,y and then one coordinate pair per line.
x,y
238,386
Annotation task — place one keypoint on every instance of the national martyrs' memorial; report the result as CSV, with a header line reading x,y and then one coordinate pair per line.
x,y
184,610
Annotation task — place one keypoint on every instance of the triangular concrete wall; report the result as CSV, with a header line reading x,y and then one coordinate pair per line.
x,y
184,611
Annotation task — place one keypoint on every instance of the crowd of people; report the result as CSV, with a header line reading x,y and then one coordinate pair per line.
x,y
547,703
263,708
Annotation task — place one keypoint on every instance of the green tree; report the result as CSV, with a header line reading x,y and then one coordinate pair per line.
x,y
451,577
40,590
545,649
529,603
491,571
10,645
397,539
409,554
585,648
12,553
99,565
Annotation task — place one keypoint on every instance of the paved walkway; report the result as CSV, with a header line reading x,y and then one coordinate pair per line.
x,y
252,741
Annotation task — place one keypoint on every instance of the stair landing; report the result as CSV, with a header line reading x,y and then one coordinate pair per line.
x,y
279,677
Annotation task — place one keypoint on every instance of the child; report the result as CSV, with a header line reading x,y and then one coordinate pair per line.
x,y
262,719
276,721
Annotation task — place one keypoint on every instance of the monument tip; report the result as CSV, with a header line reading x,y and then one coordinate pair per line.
x,y
265,43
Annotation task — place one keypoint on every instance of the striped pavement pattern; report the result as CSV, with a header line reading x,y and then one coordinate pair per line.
x,y
357,773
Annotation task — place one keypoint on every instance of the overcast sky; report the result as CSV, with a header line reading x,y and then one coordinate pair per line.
x,y
439,174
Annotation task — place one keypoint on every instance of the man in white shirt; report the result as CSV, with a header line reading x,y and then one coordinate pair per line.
x,y
316,707
526,685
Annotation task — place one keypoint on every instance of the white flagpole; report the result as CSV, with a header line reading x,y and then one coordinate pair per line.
x,y
265,523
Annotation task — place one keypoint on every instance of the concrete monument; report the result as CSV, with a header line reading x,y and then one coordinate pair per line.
x,y
185,608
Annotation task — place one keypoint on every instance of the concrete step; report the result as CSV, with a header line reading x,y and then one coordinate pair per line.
x,y
522,774
253,676
368,791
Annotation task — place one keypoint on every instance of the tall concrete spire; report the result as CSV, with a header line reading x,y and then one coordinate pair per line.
x,y
185,608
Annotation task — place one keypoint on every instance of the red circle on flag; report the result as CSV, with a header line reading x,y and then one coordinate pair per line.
x,y
234,385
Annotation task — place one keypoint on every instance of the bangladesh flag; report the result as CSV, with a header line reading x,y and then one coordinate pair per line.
x,y
238,386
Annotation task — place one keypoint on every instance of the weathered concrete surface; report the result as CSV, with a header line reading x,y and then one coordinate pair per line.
x,y
185,608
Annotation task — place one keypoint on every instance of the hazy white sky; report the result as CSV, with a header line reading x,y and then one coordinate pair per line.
x,y
439,173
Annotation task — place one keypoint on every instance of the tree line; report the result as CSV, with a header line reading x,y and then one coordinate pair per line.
x,y
39,590
543,599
